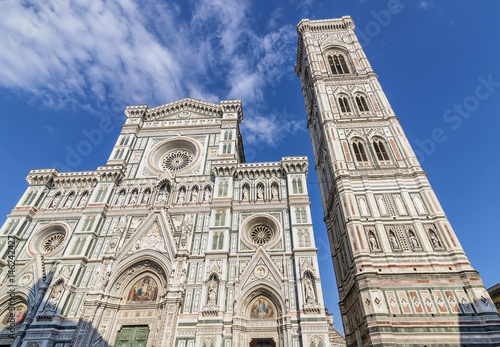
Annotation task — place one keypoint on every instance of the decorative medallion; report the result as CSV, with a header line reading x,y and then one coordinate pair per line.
x,y
176,160
184,114
25,280
260,271
261,234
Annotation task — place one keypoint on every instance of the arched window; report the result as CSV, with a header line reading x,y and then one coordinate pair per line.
x,y
380,150
298,215
299,185
307,240
224,149
301,238
359,152
361,102
337,64
344,105
29,198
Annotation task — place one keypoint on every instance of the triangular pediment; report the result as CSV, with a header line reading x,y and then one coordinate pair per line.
x,y
332,42
27,278
261,269
184,109
153,234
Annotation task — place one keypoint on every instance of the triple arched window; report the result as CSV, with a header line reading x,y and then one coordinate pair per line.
x,y
338,64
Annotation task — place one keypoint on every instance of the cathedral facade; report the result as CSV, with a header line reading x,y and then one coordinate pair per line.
x,y
402,275
176,241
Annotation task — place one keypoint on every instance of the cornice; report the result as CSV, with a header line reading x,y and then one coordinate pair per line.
x,y
318,26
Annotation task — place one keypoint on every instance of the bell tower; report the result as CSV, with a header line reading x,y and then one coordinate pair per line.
x,y
402,275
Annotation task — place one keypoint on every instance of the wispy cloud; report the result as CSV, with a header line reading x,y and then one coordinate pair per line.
x,y
272,128
103,55
425,4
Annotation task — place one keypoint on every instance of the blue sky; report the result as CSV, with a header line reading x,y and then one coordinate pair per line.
x,y
65,66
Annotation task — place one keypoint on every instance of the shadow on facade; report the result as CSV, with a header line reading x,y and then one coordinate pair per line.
x,y
29,316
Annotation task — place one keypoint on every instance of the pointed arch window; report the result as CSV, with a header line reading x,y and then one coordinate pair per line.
x,y
359,152
29,198
299,185
344,105
338,64
307,240
380,150
361,103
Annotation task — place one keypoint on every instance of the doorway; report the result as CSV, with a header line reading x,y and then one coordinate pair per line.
x,y
132,336
262,343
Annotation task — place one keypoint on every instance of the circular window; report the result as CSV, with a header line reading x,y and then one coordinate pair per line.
x,y
261,234
260,230
176,160
53,241
49,239
174,155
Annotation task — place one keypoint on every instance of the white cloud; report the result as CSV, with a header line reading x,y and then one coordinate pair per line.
x,y
104,54
271,129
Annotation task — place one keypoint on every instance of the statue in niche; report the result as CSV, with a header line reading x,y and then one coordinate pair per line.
x,y
213,287
207,195
394,241
309,288
274,192
69,200
55,201
413,240
246,193
434,239
162,196
83,199
260,193
117,234
182,196
145,196
373,241
194,195
121,198
133,198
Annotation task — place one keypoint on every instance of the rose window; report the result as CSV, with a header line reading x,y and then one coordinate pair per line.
x,y
52,242
176,160
261,234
